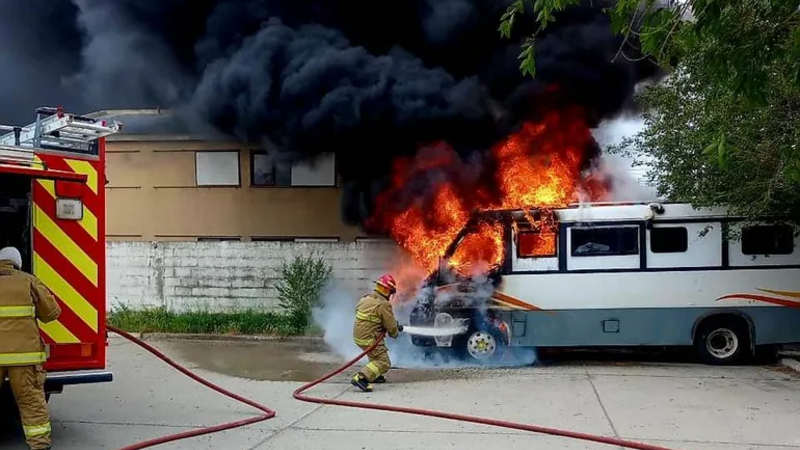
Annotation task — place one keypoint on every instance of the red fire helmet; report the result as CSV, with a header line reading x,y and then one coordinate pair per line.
x,y
388,282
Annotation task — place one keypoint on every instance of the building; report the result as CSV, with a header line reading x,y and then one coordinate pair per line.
x,y
206,224
181,187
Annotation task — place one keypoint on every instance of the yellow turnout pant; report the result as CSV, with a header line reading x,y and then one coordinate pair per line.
x,y
379,362
27,385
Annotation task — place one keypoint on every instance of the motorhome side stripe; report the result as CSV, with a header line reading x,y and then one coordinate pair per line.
x,y
762,298
782,293
514,302
501,299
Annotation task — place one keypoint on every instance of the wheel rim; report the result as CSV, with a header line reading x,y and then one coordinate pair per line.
x,y
481,345
722,343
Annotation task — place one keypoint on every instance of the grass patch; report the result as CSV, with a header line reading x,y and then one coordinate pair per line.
x,y
299,289
160,320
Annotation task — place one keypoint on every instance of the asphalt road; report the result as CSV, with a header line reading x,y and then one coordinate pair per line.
x,y
680,406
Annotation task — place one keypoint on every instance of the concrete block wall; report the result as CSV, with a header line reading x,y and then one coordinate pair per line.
x,y
224,276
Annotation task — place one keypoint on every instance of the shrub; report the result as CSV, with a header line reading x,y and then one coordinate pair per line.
x,y
300,289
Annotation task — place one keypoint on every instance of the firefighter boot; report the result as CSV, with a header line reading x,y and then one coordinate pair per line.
x,y
360,381
380,379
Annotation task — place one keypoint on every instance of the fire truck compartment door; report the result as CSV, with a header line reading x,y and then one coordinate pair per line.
x,y
41,173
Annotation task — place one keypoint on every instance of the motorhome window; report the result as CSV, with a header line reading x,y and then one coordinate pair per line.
x,y
535,244
669,240
768,240
617,241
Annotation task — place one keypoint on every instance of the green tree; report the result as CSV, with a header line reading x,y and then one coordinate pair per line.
x,y
742,41
708,147
724,127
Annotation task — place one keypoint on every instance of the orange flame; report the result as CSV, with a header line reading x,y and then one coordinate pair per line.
x,y
432,197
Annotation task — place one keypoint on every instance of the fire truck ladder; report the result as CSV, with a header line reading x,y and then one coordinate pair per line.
x,y
54,130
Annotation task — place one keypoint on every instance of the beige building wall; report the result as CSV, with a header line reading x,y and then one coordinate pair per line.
x,y
153,193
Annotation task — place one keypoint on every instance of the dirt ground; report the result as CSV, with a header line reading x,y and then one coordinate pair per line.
x,y
302,360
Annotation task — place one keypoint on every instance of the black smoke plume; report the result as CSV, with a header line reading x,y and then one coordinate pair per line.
x,y
370,81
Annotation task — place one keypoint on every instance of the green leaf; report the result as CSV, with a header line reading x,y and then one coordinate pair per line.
x,y
711,150
509,16
722,155
528,57
548,8
506,26
792,172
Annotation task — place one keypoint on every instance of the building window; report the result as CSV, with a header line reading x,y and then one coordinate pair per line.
x,y
217,168
306,240
272,239
768,240
320,171
605,241
669,240
534,244
264,171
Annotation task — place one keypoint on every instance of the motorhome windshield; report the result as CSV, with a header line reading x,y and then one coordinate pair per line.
x,y
481,245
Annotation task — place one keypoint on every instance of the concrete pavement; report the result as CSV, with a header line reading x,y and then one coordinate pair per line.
x,y
681,406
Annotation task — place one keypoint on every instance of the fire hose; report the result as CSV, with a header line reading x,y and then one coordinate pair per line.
x,y
299,395
267,412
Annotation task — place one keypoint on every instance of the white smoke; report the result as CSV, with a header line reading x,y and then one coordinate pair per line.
x,y
336,317
629,183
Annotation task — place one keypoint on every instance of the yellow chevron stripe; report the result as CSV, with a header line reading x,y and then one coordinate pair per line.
x,y
59,333
65,291
49,186
85,168
64,244
89,221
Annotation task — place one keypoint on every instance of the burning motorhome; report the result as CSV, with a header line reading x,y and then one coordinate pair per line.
x,y
619,275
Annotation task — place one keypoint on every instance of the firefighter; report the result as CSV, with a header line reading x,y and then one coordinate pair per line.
x,y
23,300
374,316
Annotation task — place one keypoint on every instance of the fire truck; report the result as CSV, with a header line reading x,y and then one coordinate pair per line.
x,y
52,208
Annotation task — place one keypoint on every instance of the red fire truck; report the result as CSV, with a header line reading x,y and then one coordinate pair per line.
x,y
52,207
